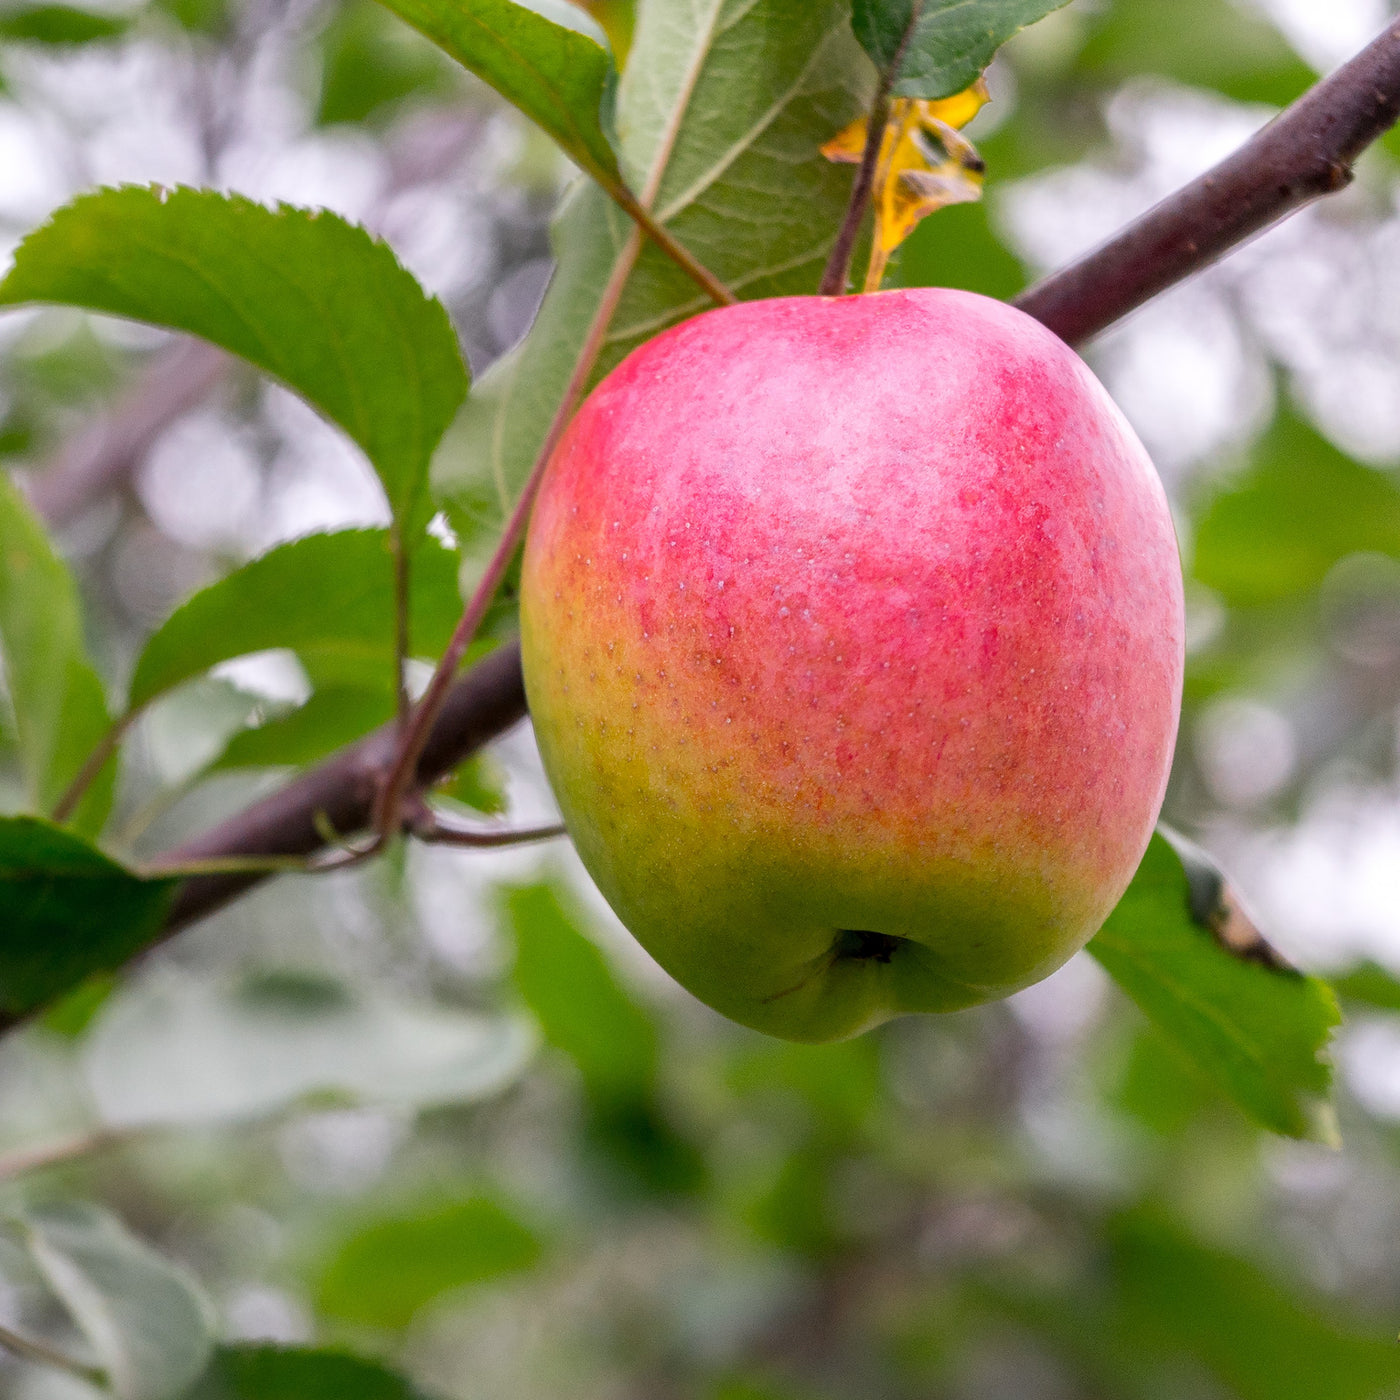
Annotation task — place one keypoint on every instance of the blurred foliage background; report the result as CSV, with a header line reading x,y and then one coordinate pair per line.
x,y
442,1111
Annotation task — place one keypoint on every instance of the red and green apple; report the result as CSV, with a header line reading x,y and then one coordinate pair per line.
x,y
853,638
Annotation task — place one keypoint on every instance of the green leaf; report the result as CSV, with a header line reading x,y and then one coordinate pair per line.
x,y
60,712
1256,1028
1198,43
66,912
1302,506
586,1013
314,301
721,113
881,25
206,18
278,1373
60,24
1159,1086
370,63
1369,985
145,1318
383,1274
330,719
547,57
951,41
579,1003
1259,1339
1173,1316
329,598
74,1012
175,1049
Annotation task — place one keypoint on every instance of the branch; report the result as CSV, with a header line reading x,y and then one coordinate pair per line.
x,y
105,453
487,701
1305,152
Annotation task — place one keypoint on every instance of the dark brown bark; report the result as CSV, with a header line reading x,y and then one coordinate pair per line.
x,y
487,701
1305,152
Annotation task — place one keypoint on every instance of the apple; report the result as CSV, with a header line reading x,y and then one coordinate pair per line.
x,y
853,637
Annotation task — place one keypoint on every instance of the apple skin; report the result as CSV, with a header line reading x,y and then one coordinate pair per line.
x,y
853,637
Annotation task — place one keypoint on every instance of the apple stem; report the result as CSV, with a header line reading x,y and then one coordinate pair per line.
x,y
388,808
838,265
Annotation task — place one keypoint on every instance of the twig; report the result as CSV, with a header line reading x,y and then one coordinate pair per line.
x,y
163,868
1305,152
838,264
433,831
94,764
32,1349
21,1160
104,454
402,641
488,700
425,714
1298,156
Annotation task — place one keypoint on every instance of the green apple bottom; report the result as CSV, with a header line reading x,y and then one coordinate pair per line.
x,y
853,637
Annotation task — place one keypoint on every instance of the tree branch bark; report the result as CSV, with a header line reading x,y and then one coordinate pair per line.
x,y
482,705
1306,152
105,453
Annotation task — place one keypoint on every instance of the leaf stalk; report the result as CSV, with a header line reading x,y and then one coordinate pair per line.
x,y
433,831
389,806
677,252
92,767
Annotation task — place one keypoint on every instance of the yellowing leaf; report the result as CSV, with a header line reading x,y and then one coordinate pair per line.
x,y
925,164
961,107
848,145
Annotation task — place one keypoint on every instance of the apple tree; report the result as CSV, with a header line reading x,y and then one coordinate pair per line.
x,y
561,1171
